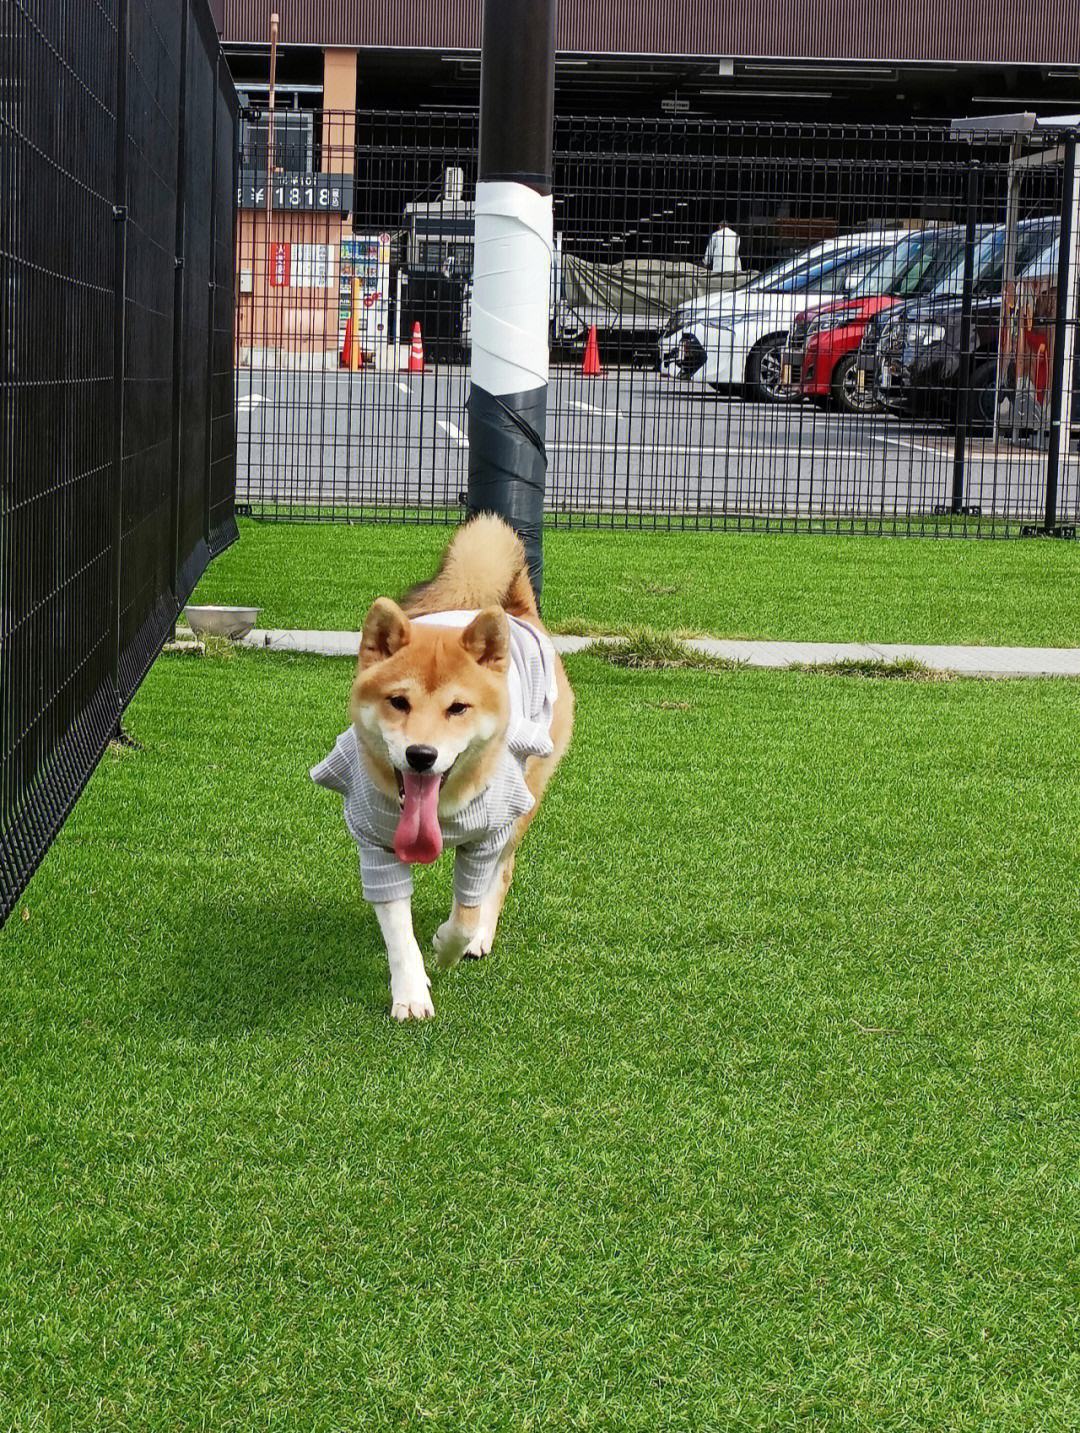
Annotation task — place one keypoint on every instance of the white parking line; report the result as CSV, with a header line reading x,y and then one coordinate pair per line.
x,y
589,408
248,400
910,445
404,387
944,452
455,433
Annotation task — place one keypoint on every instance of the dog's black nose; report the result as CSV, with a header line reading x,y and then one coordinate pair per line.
x,y
421,758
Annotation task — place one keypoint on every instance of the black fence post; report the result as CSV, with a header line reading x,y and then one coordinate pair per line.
x,y
512,273
1059,432
120,214
963,397
178,293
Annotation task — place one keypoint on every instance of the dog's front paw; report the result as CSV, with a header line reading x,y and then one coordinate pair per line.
x,y
449,943
481,943
410,997
412,1007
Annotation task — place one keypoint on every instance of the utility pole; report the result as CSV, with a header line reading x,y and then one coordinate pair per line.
x,y
512,270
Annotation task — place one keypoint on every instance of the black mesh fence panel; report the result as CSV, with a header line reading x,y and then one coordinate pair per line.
x,y
90,169
221,488
813,327
146,557
193,376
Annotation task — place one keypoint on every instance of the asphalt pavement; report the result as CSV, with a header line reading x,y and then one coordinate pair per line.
x,y
632,442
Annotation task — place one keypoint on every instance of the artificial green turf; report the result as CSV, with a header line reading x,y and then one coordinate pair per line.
x,y
789,587
762,1116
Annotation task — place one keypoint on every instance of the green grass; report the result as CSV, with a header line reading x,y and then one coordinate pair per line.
x,y
762,1116
898,668
644,650
788,587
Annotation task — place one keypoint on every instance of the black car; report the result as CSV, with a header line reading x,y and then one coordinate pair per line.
x,y
912,353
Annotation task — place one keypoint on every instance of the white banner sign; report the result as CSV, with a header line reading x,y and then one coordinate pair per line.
x,y
313,266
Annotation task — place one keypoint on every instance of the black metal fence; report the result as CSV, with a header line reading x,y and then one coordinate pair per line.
x,y
879,338
117,444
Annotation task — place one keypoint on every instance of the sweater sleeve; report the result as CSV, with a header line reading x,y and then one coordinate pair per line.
x,y
475,865
382,876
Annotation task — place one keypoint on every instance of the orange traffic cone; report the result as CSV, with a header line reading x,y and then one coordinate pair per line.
x,y
416,352
352,355
590,364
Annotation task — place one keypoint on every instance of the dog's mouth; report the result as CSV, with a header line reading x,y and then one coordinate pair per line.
x,y
400,776
418,838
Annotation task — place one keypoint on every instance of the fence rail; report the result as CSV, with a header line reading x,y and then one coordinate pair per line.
x,y
117,445
898,375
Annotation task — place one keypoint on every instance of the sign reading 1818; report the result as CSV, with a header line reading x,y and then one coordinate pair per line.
x,y
330,193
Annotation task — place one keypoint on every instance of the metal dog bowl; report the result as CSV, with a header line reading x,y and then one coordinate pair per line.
x,y
230,622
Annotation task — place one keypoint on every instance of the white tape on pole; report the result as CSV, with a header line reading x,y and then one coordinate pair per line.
x,y
511,288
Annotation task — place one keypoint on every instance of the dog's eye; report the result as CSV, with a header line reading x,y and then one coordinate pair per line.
x,y
400,704
456,708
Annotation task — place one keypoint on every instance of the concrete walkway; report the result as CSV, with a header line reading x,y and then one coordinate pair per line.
x,y
965,661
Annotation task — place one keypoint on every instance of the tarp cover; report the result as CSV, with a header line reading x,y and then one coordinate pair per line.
x,y
640,289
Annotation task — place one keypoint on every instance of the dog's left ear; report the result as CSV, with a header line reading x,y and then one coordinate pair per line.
x,y
487,639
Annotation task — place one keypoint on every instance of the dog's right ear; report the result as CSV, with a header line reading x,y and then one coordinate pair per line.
x,y
386,631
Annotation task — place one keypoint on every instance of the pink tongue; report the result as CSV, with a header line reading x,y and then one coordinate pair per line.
x,y
418,837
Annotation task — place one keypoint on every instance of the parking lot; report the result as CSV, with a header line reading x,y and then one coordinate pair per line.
x,y
629,443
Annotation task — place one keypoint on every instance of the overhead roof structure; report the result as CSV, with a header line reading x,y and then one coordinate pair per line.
x,y
963,31
807,60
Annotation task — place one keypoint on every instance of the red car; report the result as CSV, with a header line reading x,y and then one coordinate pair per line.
x,y
820,357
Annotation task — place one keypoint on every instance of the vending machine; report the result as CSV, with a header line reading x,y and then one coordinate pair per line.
x,y
366,258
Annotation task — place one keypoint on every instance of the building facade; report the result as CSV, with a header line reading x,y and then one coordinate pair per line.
x,y
798,63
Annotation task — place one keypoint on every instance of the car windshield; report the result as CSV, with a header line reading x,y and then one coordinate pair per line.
x,y
1044,264
913,266
787,266
824,273
989,260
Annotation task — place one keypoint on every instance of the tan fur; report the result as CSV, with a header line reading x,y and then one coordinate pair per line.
x,y
485,563
484,566
431,667
484,569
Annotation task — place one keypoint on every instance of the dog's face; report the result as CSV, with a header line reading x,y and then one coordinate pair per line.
x,y
429,704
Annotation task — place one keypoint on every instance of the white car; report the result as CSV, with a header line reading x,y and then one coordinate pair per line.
x,y
735,338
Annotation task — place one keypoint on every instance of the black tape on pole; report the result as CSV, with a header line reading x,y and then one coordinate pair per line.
x,y
511,477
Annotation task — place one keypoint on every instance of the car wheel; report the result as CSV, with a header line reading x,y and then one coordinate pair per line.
x,y
983,392
849,397
764,371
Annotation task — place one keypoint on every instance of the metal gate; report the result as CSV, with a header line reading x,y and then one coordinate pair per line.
x,y
853,329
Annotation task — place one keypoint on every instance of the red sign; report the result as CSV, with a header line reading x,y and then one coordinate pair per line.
x,y
280,265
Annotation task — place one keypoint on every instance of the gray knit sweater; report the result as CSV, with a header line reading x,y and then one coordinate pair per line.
x,y
480,830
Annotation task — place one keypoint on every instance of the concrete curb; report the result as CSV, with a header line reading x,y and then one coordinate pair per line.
x,y
964,661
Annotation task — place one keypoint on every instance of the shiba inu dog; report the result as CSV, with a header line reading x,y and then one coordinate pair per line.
x,y
461,711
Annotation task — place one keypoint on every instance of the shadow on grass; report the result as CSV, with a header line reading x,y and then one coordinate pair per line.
x,y
257,965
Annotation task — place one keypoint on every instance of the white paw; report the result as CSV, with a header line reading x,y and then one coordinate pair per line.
x,y
410,995
481,943
412,1007
449,944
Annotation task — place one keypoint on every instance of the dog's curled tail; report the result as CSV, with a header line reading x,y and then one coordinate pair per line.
x,y
484,566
